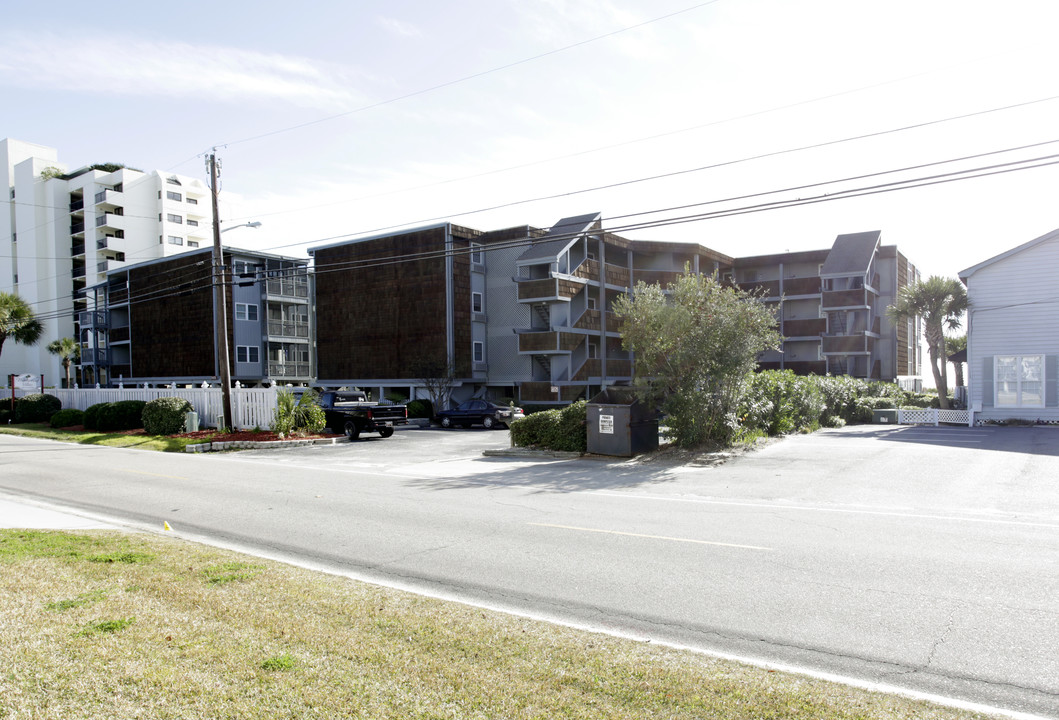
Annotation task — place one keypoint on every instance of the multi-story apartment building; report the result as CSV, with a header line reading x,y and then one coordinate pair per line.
x,y
62,231
517,313
831,305
153,322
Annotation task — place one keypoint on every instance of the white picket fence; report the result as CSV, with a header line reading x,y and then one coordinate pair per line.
x,y
252,407
934,416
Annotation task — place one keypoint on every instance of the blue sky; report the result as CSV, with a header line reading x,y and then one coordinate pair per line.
x,y
340,119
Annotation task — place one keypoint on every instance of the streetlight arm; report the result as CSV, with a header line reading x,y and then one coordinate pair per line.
x,y
254,224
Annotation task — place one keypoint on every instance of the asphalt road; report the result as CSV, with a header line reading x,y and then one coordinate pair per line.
x,y
922,558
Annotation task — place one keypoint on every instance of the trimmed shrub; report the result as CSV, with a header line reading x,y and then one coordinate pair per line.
x,y
558,429
776,402
420,409
67,418
165,415
35,408
122,415
91,419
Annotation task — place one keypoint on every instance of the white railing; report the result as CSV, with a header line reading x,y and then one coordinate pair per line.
x,y
933,416
252,407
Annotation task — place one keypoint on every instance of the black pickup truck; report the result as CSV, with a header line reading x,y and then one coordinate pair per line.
x,y
351,413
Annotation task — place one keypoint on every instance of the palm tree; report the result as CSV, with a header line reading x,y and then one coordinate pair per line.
x,y
953,345
17,321
68,349
940,302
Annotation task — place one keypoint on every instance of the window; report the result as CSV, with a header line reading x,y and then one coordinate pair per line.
x,y
192,201
193,223
591,303
479,352
173,218
174,195
593,351
174,240
245,311
476,302
247,354
193,243
476,253
1019,380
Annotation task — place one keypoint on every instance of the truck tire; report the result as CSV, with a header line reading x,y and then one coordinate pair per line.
x,y
488,422
386,432
352,432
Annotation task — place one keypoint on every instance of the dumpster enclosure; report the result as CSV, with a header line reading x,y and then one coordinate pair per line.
x,y
619,424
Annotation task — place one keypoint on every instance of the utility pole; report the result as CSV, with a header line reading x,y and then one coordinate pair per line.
x,y
220,302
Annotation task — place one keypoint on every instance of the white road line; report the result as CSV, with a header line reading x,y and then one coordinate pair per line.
x,y
650,537
810,508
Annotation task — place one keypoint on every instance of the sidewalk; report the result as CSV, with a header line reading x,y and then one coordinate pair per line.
x,y
20,513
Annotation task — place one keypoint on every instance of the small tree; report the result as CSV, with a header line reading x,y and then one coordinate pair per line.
x,y
694,350
437,375
17,321
67,349
940,302
953,345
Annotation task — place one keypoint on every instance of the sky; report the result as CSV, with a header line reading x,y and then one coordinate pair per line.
x,y
339,120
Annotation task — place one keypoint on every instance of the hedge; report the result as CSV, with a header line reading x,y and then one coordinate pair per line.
x,y
561,429
165,415
36,408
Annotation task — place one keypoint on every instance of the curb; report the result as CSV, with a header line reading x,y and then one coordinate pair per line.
x,y
532,453
254,445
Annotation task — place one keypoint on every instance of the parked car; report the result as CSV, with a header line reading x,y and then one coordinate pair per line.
x,y
478,412
353,414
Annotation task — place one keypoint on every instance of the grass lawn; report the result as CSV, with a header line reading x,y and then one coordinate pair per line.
x,y
160,443
114,625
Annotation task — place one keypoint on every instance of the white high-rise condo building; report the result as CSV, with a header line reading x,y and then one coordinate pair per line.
x,y
62,230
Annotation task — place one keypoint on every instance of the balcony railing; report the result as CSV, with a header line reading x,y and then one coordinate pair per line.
x,y
801,286
809,327
278,328
77,248
858,343
616,368
288,288
549,342
845,299
77,205
765,288
92,319
656,277
77,227
288,370
547,289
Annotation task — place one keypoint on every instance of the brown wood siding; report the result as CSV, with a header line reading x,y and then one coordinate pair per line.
x,y
375,322
801,286
171,318
804,328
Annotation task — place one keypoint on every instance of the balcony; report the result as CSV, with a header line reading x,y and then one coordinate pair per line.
x,y
77,205
78,271
110,264
549,343
589,270
809,327
93,319
547,289
656,277
109,197
858,298
616,368
288,370
288,287
801,286
118,335
78,248
764,288
93,356
618,275
590,320
798,367
278,328
847,344
110,220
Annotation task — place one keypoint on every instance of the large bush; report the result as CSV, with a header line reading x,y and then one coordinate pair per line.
x,y
67,418
111,416
35,408
298,414
165,415
778,402
558,429
420,409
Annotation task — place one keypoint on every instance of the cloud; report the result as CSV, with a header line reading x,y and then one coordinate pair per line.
x,y
138,67
399,27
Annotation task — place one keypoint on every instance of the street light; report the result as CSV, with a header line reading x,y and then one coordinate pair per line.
x,y
254,224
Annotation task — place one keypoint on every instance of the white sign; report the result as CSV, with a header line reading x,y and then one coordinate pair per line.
x,y
555,388
606,424
27,382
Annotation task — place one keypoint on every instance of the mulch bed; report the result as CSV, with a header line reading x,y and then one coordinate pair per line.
x,y
214,436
